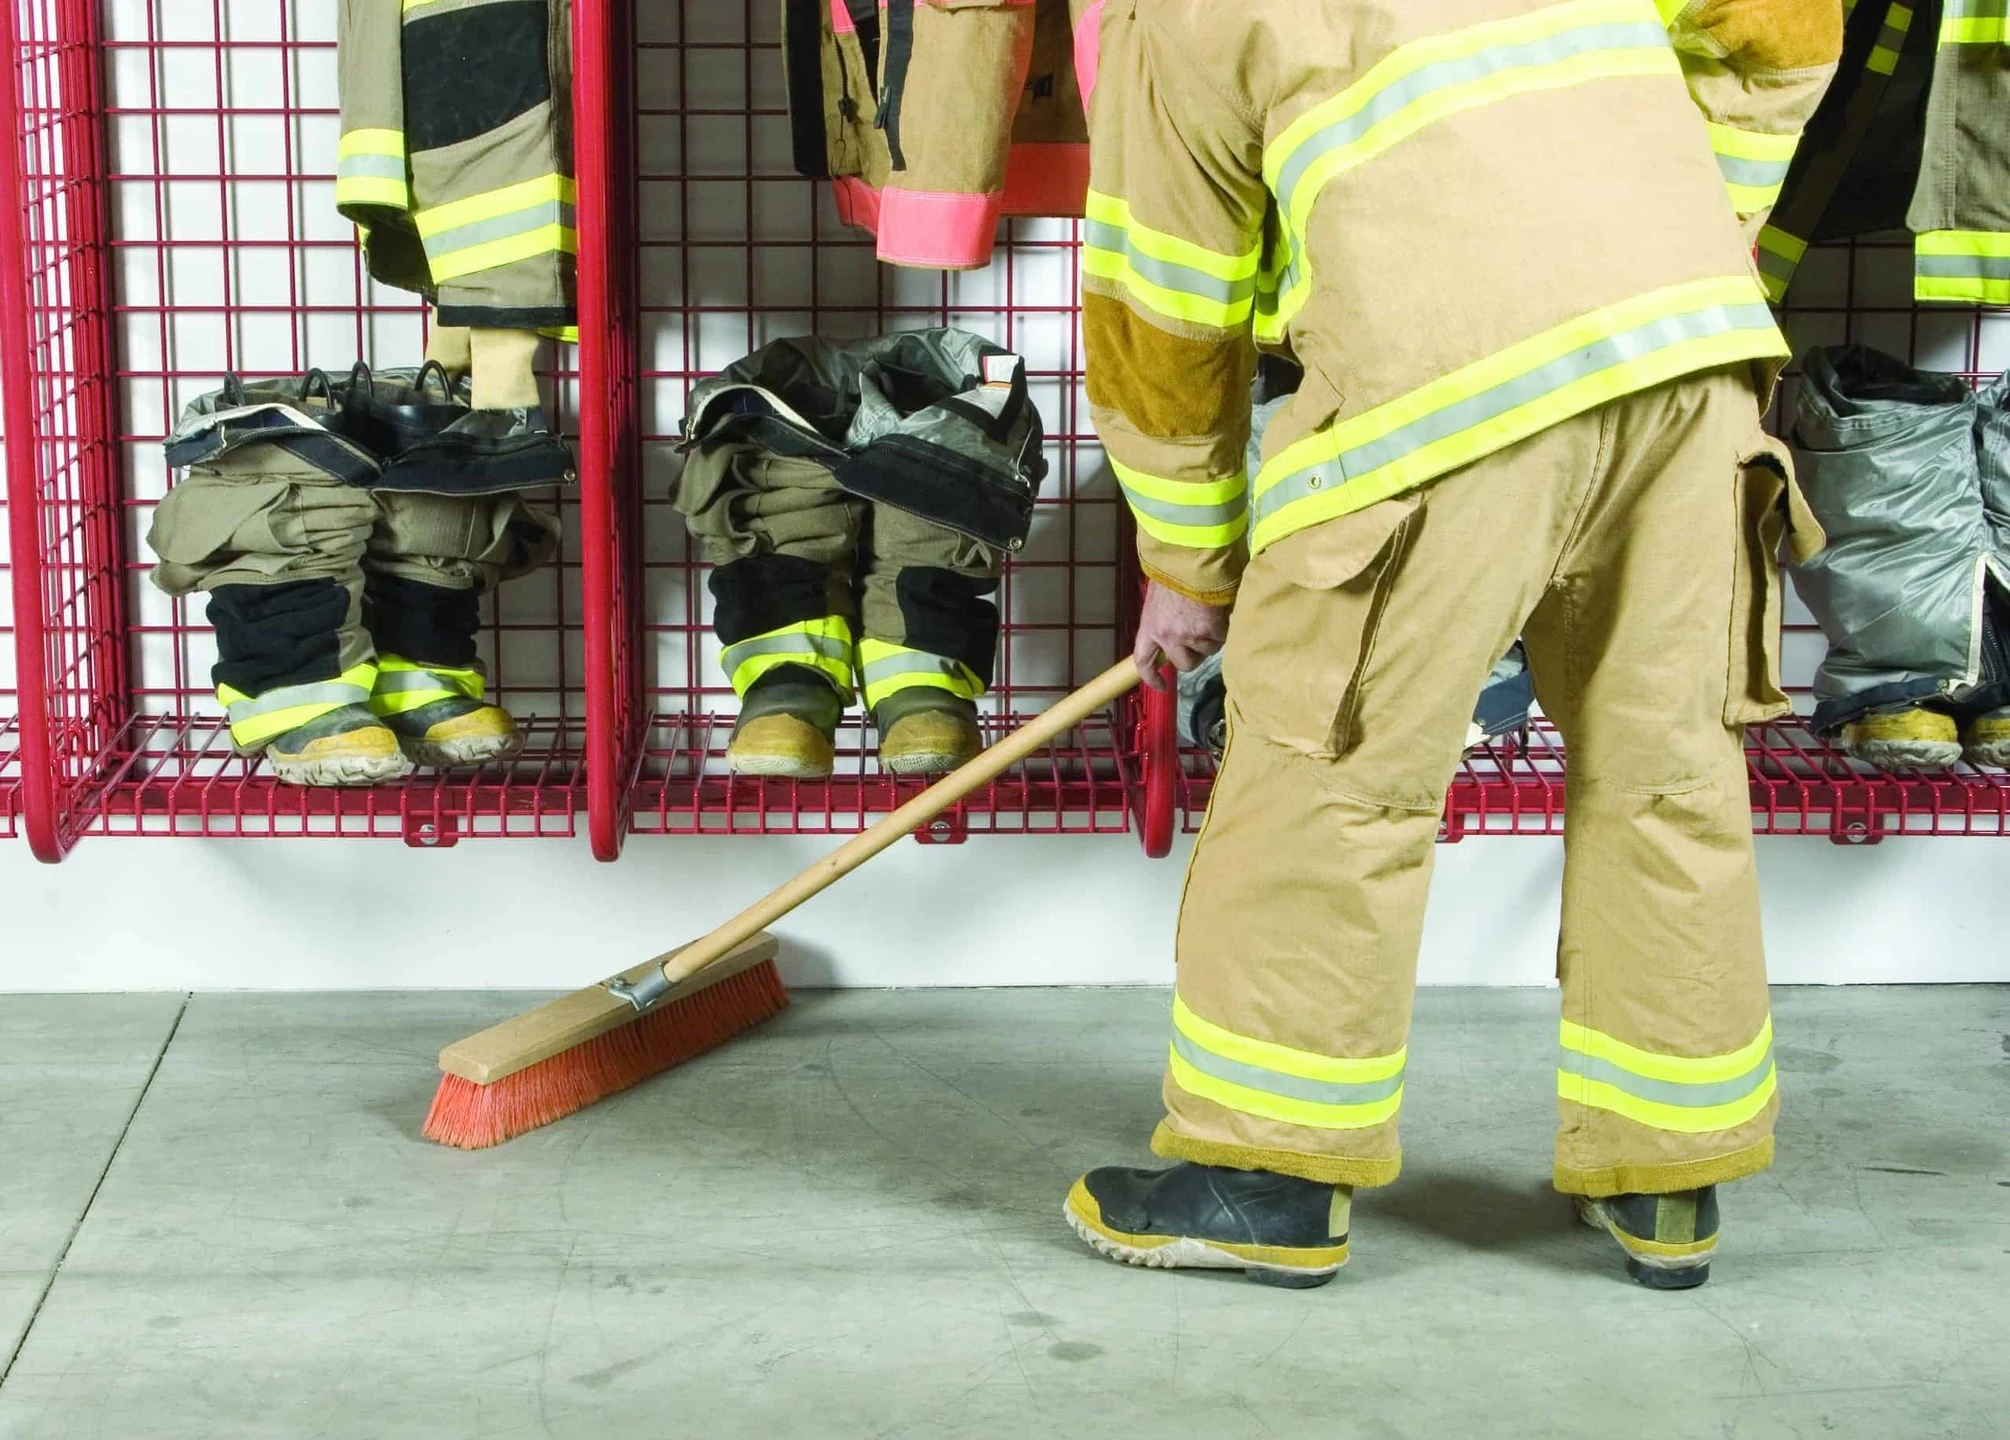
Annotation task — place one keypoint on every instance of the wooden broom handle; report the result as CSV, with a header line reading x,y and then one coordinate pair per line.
x,y
1114,683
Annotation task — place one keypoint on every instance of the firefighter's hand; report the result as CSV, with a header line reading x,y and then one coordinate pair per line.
x,y
1184,631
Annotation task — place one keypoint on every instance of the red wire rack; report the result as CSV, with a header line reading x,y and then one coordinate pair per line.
x,y
166,214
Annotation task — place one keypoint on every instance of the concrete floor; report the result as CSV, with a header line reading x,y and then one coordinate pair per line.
x,y
216,1220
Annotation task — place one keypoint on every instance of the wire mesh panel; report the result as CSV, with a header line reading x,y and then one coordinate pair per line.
x,y
181,227
736,251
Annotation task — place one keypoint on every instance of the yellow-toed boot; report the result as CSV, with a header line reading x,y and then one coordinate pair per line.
x,y
787,729
1985,740
926,731
441,716
1912,739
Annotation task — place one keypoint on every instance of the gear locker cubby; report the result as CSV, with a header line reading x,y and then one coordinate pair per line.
x,y
167,215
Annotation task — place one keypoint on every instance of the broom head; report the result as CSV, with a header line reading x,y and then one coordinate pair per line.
x,y
565,1055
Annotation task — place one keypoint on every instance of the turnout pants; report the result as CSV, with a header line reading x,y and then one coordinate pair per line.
x,y
810,576
1634,547
316,586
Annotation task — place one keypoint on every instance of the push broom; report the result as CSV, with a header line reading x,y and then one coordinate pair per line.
x,y
565,1055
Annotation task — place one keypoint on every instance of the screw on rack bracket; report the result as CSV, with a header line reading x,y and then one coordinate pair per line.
x,y
949,828
432,831
1855,827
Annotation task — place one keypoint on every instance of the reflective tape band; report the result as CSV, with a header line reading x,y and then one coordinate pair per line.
x,y
1975,22
1685,1095
1175,277
885,669
501,227
1428,80
370,169
1509,396
256,719
1778,255
1197,514
403,686
1278,1082
1281,288
1969,267
822,645
1754,164
1890,40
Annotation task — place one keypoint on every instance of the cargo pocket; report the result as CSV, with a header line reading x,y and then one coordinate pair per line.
x,y
205,525
1305,624
1771,511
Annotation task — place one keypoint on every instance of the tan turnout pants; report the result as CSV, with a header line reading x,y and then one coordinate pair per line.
x,y
1635,549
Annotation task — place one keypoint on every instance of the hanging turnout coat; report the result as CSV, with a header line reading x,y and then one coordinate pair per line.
x,y
934,117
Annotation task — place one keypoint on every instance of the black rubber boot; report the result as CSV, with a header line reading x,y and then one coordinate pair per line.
x,y
1276,1229
1668,1239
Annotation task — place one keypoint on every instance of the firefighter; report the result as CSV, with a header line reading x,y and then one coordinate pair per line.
x,y
1510,254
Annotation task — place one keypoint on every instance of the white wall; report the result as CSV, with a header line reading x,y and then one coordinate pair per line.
x,y
138,914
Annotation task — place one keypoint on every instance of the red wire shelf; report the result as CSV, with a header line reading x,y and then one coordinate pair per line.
x,y
166,215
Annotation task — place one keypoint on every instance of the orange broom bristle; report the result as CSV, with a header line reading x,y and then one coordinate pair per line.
x,y
474,1117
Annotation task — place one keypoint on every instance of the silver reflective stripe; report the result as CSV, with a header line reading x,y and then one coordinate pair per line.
x,y
1609,353
796,643
502,227
1101,235
1399,94
1758,174
1976,10
380,167
404,682
1668,1092
1776,265
1963,267
913,663
1174,513
331,692
1321,1092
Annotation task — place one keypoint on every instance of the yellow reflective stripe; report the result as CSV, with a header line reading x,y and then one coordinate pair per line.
x,y
370,142
1788,247
1671,332
494,204
403,685
1962,267
823,645
1677,1119
1197,514
1688,1095
494,254
1669,9
1652,1065
1425,81
1284,1059
255,719
1312,1114
885,669
564,334
1110,210
1174,304
1754,164
1980,30
1884,55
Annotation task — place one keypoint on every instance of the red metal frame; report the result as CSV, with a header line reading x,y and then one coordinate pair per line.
x,y
202,134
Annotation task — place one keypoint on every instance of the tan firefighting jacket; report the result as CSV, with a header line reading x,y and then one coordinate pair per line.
x,y
1959,209
933,118
1467,219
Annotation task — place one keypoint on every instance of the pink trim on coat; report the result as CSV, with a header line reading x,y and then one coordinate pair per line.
x,y
1088,49
841,22
939,229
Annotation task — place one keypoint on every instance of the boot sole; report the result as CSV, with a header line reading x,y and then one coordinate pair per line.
x,y
348,773
1653,1272
924,764
1908,754
776,767
1992,755
458,754
1260,1263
